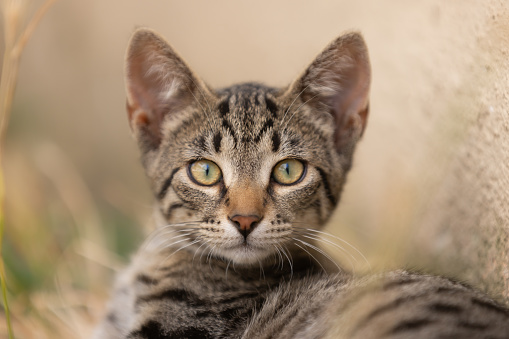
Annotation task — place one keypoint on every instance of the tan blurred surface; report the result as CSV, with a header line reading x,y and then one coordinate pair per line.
x,y
430,183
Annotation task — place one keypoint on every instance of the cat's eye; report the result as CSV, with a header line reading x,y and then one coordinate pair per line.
x,y
288,171
204,172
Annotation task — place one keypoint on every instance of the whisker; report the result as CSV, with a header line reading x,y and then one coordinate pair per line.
x,y
262,272
158,231
295,112
280,257
162,236
202,94
312,256
171,254
325,254
205,242
176,242
298,95
181,248
202,253
209,257
340,239
228,265
318,238
284,249
322,252
199,103
167,227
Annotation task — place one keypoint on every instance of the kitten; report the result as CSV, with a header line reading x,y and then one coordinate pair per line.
x,y
244,178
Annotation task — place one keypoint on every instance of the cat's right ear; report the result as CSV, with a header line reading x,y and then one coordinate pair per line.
x,y
158,84
337,83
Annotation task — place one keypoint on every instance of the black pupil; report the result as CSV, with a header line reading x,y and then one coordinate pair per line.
x,y
287,168
207,169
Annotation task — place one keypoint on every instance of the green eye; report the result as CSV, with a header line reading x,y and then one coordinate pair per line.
x,y
204,172
288,171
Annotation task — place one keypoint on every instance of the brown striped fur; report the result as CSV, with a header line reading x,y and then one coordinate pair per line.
x,y
202,275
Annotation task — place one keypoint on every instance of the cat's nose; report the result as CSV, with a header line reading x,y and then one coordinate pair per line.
x,y
245,223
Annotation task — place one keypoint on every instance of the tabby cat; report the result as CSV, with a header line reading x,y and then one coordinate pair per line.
x,y
244,178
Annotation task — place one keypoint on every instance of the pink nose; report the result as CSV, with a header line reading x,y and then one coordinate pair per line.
x,y
245,223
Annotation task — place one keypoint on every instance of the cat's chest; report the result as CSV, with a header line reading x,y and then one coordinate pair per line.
x,y
185,293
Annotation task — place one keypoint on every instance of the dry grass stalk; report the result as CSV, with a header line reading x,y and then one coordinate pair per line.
x,y
15,38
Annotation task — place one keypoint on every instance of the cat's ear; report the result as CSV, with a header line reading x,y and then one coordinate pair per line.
x,y
158,83
338,81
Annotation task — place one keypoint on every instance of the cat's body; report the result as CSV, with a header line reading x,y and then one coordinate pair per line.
x,y
244,179
189,297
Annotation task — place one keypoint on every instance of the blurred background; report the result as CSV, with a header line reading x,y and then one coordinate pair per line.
x,y
429,188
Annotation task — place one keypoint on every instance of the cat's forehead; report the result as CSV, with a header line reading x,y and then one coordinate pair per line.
x,y
249,114
248,101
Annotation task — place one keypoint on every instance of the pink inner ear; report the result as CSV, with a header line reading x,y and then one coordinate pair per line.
x,y
342,74
156,84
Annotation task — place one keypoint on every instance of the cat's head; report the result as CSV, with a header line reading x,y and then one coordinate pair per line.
x,y
242,171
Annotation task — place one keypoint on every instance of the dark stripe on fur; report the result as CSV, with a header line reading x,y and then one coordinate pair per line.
x,y
268,124
233,313
145,279
410,325
270,192
243,296
326,185
490,306
230,130
398,283
150,330
217,142
176,295
222,192
167,184
224,107
154,330
448,290
472,326
383,309
445,308
189,333
246,104
271,106
172,207
200,143
276,141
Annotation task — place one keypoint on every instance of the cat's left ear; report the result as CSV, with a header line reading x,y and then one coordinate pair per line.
x,y
158,84
338,82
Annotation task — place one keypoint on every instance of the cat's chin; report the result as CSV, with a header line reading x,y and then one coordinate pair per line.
x,y
245,255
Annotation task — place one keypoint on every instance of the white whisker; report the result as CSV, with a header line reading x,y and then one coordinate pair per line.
x,y
209,257
317,238
202,108
295,112
163,237
205,242
322,252
284,249
340,239
312,256
280,257
228,265
182,247
262,272
289,107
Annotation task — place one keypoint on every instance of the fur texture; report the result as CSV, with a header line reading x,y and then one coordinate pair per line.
x,y
238,257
